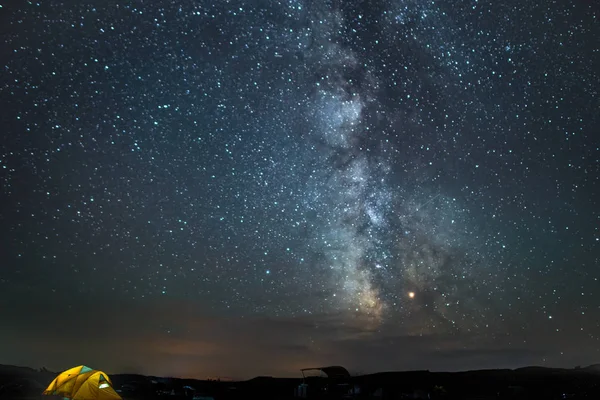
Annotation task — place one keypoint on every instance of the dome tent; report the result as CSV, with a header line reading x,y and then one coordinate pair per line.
x,y
82,383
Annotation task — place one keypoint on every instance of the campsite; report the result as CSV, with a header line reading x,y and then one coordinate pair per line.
x,y
333,382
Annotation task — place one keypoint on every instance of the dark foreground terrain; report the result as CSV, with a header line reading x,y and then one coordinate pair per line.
x,y
523,383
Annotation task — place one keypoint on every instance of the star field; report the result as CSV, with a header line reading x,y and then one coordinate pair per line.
x,y
393,169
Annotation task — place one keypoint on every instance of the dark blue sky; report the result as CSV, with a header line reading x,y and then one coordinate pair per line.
x,y
392,185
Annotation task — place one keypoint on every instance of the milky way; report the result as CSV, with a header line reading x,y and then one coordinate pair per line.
x,y
423,167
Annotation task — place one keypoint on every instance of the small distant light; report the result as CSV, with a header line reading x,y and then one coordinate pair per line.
x,y
411,295
268,272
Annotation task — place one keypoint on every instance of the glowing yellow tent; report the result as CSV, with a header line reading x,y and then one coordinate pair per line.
x,y
82,383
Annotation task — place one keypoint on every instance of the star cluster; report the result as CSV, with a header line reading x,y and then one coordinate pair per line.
x,y
425,164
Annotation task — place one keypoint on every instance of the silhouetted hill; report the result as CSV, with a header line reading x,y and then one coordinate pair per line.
x,y
15,370
529,382
592,368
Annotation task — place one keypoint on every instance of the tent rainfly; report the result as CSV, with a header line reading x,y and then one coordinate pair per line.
x,y
82,383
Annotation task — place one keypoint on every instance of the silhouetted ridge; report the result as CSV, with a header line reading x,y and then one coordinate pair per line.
x,y
532,382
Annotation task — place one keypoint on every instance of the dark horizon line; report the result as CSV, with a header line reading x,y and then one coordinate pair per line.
x,y
229,379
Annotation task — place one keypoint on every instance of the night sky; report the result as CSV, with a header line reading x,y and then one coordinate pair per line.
x,y
240,188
